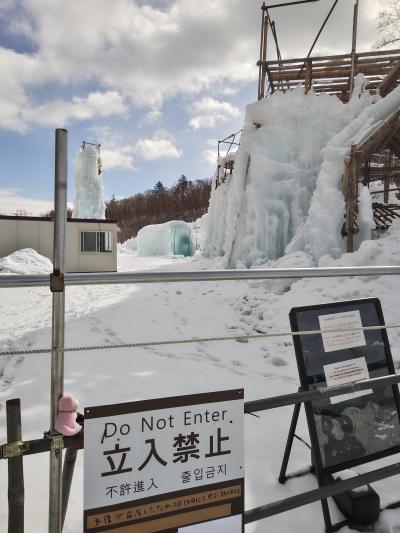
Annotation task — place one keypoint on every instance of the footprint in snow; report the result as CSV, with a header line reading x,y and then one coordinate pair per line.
x,y
278,361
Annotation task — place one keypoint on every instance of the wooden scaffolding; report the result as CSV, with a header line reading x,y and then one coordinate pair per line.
x,y
376,159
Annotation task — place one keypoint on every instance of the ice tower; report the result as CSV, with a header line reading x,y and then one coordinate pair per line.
x,y
89,190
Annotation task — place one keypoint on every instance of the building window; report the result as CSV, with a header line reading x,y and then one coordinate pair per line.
x,y
96,241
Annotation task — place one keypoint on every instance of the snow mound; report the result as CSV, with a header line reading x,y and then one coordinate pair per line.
x,y
285,192
89,190
171,238
129,246
379,252
26,261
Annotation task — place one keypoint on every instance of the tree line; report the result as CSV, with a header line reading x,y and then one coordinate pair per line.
x,y
185,200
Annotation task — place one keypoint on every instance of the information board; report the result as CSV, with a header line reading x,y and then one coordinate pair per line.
x,y
172,464
355,428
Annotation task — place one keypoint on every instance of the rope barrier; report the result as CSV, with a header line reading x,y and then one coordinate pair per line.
x,y
193,340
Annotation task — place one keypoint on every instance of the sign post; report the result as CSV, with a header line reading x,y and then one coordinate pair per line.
x,y
172,465
350,429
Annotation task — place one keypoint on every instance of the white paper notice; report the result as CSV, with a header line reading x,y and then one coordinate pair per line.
x,y
341,340
347,372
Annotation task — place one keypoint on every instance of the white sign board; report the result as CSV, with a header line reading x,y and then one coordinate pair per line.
x,y
345,372
152,458
341,340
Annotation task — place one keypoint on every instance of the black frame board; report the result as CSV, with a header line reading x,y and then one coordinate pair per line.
x,y
347,431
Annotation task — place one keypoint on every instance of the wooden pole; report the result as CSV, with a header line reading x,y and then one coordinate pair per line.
x,y
68,472
386,179
16,491
353,49
308,83
260,68
352,199
264,54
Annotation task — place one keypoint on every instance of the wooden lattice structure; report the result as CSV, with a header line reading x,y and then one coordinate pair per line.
x,y
329,74
332,74
376,159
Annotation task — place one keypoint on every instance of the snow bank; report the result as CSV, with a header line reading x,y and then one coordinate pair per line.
x,y
171,238
128,246
379,252
26,261
89,190
285,193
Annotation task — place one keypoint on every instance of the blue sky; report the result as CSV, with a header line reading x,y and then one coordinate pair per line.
x,y
157,83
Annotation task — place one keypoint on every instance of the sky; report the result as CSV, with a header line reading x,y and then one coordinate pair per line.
x,y
156,82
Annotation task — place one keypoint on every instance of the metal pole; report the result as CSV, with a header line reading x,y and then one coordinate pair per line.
x,y
353,49
305,498
58,317
264,404
122,278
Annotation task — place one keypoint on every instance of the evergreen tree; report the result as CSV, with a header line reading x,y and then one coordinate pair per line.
x,y
159,187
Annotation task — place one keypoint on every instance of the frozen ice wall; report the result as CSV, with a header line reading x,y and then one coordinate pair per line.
x,y
89,190
285,193
170,238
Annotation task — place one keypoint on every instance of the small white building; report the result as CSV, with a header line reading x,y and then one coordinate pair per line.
x,y
91,245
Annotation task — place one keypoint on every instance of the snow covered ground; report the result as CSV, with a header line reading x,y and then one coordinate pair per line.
x,y
108,314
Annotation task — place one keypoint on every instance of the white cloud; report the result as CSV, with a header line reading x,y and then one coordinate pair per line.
x,y
144,53
147,53
157,148
12,200
115,151
59,112
210,157
117,158
209,112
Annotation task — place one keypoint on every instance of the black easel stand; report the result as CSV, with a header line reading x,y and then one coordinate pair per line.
x,y
283,477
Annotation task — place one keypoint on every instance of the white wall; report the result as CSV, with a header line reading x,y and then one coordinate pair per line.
x,y
16,234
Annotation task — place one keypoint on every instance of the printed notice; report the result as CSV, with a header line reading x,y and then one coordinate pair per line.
x,y
341,340
347,372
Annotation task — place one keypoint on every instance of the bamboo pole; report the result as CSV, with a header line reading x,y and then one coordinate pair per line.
x,y
16,493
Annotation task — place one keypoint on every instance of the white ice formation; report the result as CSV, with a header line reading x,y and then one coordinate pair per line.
x,y
171,238
89,190
285,192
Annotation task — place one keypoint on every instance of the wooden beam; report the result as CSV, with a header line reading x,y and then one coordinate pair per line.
x,y
284,75
264,56
389,83
394,144
15,470
360,55
380,137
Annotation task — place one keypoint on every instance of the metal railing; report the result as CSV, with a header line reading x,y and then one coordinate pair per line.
x,y
121,278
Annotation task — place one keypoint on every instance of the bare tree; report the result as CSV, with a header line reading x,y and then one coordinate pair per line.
x,y
389,25
185,200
